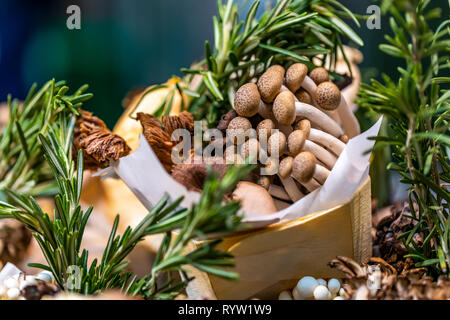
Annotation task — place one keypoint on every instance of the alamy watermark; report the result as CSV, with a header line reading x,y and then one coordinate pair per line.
x,y
73,22
235,147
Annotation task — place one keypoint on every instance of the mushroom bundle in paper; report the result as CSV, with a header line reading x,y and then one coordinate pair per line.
x,y
291,125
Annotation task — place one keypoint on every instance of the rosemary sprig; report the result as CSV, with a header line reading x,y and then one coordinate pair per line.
x,y
60,237
295,31
22,165
419,109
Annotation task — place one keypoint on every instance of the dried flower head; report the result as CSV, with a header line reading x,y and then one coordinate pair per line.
x,y
378,280
99,145
193,175
158,134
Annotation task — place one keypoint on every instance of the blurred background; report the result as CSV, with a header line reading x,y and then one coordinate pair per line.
x,y
124,44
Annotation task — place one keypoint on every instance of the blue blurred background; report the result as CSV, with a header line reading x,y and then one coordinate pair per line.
x,y
123,44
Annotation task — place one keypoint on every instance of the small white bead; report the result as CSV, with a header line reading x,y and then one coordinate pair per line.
x,y
11,283
339,298
306,287
24,284
2,290
341,292
13,293
31,279
296,295
45,276
334,285
322,282
322,293
284,295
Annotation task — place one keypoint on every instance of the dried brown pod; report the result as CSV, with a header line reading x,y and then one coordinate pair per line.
x,y
98,143
192,175
184,120
157,138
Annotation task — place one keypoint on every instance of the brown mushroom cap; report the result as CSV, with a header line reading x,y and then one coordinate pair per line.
x,y
284,108
250,149
295,76
304,125
319,75
239,123
285,168
246,100
303,96
254,198
238,128
265,128
276,143
328,96
296,142
270,82
304,166
231,156
276,68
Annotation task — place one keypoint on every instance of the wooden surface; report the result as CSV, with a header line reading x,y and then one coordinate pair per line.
x,y
276,257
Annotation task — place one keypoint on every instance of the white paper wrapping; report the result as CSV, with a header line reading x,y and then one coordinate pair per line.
x,y
145,176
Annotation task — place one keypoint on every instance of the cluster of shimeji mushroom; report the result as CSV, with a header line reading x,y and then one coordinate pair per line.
x,y
313,122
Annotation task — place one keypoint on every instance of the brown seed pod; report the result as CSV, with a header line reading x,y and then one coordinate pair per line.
x,y
284,108
246,100
328,95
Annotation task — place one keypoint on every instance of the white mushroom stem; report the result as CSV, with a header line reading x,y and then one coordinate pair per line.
x,y
321,154
321,174
318,118
311,185
291,189
278,192
327,140
349,121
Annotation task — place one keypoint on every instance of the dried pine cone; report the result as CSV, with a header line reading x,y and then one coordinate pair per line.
x,y
99,145
14,241
378,280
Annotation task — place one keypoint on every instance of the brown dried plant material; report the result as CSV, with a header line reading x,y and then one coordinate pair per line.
x,y
39,290
158,134
193,175
184,120
225,120
14,241
388,224
99,145
363,283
